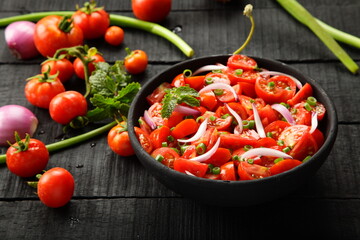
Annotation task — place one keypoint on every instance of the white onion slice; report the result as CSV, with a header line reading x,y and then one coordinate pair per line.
x,y
220,86
186,110
273,73
208,154
263,151
239,128
200,132
284,112
208,68
314,122
258,123
149,120
189,173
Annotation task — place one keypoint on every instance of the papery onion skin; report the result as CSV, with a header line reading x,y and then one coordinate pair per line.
x,y
16,118
20,39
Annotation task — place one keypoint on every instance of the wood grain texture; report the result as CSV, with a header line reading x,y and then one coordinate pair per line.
x,y
116,198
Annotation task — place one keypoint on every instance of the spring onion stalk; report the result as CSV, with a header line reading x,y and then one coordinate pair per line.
x,y
72,141
340,35
302,15
115,19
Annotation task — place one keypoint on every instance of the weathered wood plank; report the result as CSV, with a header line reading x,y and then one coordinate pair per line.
x,y
129,218
277,35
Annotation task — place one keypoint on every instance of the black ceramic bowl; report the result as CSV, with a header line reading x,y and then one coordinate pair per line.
x,y
232,193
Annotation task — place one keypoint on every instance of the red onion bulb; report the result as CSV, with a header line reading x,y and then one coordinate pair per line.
x,y
16,118
19,37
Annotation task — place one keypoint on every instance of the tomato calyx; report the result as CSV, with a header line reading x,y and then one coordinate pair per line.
x,y
89,7
22,145
45,76
65,24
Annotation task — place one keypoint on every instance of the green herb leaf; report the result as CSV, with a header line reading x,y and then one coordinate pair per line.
x,y
176,96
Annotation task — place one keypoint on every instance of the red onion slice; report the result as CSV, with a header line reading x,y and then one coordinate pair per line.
x,y
273,73
208,68
263,151
200,132
239,128
284,112
189,173
314,122
208,154
258,123
220,86
186,110
149,120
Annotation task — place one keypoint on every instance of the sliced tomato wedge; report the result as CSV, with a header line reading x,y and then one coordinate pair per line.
x,y
168,155
234,141
187,166
157,95
300,114
284,165
276,89
208,100
227,172
144,139
275,128
249,171
220,157
305,92
246,102
217,77
239,61
196,82
185,128
159,136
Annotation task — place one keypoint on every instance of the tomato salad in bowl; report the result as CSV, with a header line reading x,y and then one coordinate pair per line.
x,y
232,119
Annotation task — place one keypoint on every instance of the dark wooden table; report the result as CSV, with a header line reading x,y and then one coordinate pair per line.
x,y
115,197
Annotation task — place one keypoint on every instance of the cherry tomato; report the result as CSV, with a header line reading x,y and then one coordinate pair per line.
x,y
93,21
136,62
235,141
114,35
217,77
79,66
227,172
119,141
189,152
208,139
284,165
243,62
63,67
190,167
52,33
300,114
29,162
65,106
56,187
151,10
276,89
238,75
144,139
220,123
249,171
246,102
185,128
41,89
166,156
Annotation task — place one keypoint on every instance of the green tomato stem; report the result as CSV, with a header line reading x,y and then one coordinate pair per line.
x,y
72,141
115,19
248,13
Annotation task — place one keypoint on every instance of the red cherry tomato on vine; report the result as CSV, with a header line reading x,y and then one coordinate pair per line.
x,y
29,162
55,32
136,62
93,21
63,67
39,91
151,10
65,106
114,35
79,66
56,187
119,141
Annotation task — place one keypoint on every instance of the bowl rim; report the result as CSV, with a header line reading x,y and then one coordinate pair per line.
x,y
328,143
